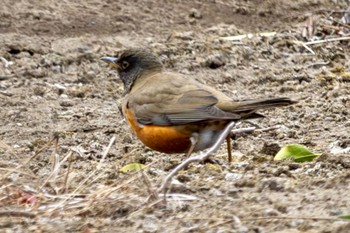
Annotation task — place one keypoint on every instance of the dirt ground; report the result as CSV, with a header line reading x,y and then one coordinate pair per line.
x,y
60,111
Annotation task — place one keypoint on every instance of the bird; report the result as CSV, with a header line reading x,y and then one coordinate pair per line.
x,y
172,113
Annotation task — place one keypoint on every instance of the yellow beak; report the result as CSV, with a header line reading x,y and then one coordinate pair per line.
x,y
111,61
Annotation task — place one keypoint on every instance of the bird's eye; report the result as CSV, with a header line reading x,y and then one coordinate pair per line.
x,y
125,65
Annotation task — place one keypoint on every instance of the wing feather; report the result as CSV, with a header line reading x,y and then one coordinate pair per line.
x,y
183,108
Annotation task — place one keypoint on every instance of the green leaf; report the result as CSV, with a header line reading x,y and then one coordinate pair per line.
x,y
298,152
344,216
132,167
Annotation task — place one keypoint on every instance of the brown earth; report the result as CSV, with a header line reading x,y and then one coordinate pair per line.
x,y
60,109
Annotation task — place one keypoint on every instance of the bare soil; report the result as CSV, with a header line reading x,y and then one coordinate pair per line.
x,y
60,110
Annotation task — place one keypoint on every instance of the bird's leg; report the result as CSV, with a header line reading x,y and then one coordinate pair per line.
x,y
199,158
194,140
229,148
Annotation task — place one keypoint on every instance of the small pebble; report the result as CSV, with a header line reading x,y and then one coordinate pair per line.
x,y
233,176
271,212
215,61
194,13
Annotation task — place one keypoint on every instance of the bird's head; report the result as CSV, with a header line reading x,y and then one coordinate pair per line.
x,y
132,64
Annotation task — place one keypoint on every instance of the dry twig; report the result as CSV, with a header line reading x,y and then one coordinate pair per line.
x,y
83,182
17,214
55,165
24,164
65,183
199,158
326,40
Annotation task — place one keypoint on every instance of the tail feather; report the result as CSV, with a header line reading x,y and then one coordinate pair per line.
x,y
247,108
249,105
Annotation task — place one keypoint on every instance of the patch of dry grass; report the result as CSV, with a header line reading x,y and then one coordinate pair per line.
x,y
24,193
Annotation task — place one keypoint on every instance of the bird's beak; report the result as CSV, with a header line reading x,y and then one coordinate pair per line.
x,y
111,61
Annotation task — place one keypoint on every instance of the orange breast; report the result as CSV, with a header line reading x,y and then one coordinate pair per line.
x,y
166,139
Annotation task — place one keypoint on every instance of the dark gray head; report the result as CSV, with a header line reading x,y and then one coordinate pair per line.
x,y
131,64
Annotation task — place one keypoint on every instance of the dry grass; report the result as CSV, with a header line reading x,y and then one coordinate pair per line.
x,y
56,194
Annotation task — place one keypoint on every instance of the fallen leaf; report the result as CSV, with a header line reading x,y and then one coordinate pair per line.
x,y
344,216
132,167
297,152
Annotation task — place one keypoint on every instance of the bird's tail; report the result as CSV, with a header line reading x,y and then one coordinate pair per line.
x,y
248,108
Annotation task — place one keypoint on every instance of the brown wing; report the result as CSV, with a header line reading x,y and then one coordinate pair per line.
x,y
170,99
171,103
